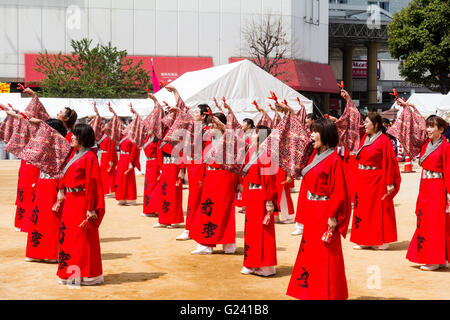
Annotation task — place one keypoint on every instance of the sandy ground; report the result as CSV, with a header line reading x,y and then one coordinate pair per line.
x,y
141,262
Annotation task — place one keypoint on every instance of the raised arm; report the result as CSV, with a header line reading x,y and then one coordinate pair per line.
x,y
152,96
284,107
178,99
111,109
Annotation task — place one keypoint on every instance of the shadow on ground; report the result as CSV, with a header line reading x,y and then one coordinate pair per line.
x,y
378,298
113,256
126,277
283,271
114,239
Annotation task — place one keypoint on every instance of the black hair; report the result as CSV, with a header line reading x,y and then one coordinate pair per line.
x,y
85,135
434,120
377,121
204,110
58,125
221,117
312,116
71,116
327,130
250,122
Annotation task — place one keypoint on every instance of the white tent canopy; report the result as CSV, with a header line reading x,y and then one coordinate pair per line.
x,y
443,108
240,83
426,103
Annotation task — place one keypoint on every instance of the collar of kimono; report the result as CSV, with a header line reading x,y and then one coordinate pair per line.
x,y
369,141
150,140
318,158
101,140
76,157
123,139
430,149
255,157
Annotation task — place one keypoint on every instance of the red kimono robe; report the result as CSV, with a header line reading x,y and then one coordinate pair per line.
x,y
43,237
69,136
431,241
284,199
79,253
196,175
126,183
152,172
26,197
19,197
319,271
241,201
108,154
374,218
260,248
214,221
171,195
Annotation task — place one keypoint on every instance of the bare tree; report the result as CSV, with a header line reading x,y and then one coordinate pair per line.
x,y
267,43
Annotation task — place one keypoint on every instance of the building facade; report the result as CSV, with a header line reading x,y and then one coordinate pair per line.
x,y
350,56
176,28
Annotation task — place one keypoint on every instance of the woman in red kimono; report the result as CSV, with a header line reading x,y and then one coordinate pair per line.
x,y
214,220
83,208
285,205
26,187
42,241
19,197
126,193
430,244
377,181
319,271
260,251
248,126
108,164
170,214
152,172
196,169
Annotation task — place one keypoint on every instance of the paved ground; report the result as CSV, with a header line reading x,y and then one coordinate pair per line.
x,y
144,263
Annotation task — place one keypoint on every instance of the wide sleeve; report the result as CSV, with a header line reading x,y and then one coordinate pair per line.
x,y
97,125
36,109
349,127
339,203
112,152
268,181
391,170
134,157
181,105
232,122
410,130
95,199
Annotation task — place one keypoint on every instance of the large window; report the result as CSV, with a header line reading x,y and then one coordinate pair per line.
x,y
382,4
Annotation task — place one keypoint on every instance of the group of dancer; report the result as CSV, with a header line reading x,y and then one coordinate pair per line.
x,y
62,212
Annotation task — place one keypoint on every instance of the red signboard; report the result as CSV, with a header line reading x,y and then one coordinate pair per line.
x,y
359,69
167,68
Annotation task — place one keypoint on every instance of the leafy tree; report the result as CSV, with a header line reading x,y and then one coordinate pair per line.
x,y
419,37
98,72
